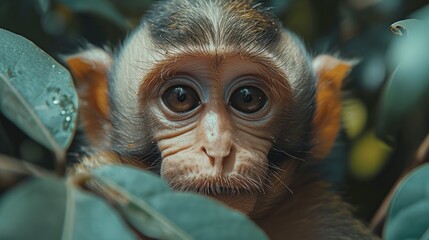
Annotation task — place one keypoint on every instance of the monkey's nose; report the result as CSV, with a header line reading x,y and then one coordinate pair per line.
x,y
222,159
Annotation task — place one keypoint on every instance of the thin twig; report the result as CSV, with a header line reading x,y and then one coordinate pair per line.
x,y
15,165
422,156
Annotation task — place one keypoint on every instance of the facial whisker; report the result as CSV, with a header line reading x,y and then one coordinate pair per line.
x,y
281,182
288,154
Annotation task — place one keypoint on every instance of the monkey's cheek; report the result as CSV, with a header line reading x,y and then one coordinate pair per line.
x,y
244,203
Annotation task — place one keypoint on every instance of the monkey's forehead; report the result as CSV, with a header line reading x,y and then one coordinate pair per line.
x,y
208,28
213,23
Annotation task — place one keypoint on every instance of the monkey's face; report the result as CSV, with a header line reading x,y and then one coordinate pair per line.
x,y
217,85
215,128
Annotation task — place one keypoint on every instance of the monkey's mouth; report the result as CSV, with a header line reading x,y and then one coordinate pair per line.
x,y
237,197
224,190
217,186
238,190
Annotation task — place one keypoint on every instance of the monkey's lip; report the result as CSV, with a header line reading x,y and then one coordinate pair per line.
x,y
218,190
221,190
236,192
218,186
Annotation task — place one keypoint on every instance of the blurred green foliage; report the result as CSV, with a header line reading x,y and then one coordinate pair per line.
x,y
151,209
386,93
409,209
37,93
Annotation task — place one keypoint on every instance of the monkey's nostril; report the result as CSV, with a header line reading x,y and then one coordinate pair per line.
x,y
211,159
204,150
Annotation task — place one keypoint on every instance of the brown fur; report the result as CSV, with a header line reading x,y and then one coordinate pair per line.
x,y
330,72
92,90
312,212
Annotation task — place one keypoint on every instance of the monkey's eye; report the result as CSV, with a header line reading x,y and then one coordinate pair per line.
x,y
181,98
248,99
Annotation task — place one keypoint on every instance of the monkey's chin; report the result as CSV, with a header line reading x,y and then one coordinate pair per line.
x,y
241,202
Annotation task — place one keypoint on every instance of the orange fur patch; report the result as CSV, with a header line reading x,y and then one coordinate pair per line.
x,y
91,81
330,72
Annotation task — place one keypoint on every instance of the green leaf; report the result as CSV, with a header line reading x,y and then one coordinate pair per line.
x,y
102,8
153,209
422,13
89,217
52,209
140,183
408,87
402,27
36,206
204,218
37,93
137,187
410,204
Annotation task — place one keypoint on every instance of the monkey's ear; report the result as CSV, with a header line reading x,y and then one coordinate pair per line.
x,y
330,72
90,69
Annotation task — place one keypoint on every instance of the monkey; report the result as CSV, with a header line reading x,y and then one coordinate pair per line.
x,y
218,98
